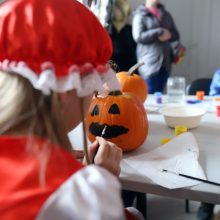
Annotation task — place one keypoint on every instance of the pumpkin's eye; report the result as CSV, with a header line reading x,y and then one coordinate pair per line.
x,y
95,111
114,109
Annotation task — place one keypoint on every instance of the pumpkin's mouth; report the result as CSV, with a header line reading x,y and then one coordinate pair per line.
x,y
110,131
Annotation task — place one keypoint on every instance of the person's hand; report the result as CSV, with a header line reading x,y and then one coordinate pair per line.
x,y
165,36
108,155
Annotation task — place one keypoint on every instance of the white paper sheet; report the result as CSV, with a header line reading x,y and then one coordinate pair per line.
x,y
179,155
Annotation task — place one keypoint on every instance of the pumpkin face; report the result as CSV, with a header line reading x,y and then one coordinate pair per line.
x,y
133,83
124,117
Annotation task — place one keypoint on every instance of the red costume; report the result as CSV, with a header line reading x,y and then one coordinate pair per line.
x,y
21,193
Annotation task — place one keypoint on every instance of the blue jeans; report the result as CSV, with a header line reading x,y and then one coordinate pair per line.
x,y
157,82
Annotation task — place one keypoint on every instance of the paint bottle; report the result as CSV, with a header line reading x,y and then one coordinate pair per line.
x,y
165,140
180,129
158,97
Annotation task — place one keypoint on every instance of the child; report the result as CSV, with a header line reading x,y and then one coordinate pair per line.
x,y
52,57
215,84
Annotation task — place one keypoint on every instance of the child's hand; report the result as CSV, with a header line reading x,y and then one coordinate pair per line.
x,y
107,156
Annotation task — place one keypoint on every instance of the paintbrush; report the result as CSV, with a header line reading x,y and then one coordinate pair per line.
x,y
192,177
102,134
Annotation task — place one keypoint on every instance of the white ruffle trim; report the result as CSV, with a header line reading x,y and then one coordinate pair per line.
x,y
91,193
47,81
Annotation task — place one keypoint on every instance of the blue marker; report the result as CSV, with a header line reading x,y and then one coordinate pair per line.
x,y
193,101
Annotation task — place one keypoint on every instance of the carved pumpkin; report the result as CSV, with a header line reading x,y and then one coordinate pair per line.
x,y
123,117
131,82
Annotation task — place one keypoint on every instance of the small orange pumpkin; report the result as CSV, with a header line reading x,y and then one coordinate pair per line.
x,y
131,82
123,116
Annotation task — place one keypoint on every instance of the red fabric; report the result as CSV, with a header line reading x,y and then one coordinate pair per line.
x,y
21,194
63,32
129,215
155,12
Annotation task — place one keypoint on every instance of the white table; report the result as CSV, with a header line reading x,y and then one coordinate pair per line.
x,y
208,138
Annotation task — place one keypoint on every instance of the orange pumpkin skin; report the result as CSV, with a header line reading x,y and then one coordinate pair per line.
x,y
133,83
124,116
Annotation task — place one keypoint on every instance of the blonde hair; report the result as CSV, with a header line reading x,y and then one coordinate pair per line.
x,y
25,110
124,6
121,13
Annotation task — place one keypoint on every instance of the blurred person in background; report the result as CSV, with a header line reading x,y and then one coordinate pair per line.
x,y
124,47
206,210
215,84
154,30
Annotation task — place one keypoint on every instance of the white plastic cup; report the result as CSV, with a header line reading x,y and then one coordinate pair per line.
x,y
176,89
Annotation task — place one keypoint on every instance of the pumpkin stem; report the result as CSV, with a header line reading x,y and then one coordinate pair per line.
x,y
133,68
115,93
96,93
